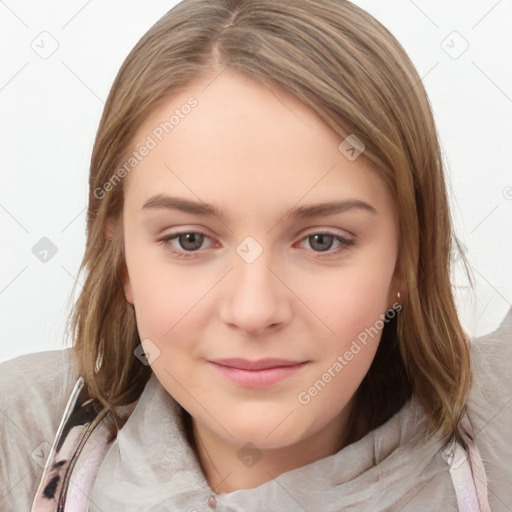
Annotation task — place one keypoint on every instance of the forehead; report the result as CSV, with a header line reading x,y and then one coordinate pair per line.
x,y
248,146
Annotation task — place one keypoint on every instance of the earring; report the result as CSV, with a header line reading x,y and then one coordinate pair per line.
x,y
393,311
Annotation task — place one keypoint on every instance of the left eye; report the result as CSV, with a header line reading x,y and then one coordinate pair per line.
x,y
322,242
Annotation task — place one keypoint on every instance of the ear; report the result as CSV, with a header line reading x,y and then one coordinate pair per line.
x,y
127,285
397,285
108,228
109,233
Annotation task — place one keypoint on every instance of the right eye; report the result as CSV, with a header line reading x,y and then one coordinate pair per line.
x,y
187,242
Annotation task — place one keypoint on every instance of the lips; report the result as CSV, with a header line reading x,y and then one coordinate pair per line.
x,y
262,364
257,374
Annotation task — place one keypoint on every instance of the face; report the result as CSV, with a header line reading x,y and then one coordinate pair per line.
x,y
253,305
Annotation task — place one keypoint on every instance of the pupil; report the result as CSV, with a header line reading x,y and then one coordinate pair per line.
x,y
325,242
191,241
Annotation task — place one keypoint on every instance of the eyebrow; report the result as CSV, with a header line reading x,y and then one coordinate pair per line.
x,y
166,202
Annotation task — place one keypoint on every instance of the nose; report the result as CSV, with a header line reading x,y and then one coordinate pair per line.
x,y
255,299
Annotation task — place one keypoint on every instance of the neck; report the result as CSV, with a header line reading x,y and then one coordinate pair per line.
x,y
229,467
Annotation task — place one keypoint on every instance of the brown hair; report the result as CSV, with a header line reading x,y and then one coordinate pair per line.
x,y
356,77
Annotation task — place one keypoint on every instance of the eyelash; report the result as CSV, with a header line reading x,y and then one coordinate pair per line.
x,y
166,242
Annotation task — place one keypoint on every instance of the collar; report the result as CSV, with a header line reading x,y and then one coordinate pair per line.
x,y
151,466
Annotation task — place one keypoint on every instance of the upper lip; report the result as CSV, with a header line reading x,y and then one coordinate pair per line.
x,y
260,364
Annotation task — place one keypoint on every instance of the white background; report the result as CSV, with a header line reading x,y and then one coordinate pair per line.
x,y
51,108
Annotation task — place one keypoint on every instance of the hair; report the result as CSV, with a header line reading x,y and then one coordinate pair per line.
x,y
352,72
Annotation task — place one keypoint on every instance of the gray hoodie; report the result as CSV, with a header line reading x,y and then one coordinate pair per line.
x,y
151,467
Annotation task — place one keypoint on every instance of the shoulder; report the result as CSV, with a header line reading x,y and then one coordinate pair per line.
x,y
42,367
37,384
490,408
492,358
34,392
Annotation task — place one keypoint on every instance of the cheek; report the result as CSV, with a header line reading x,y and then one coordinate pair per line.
x,y
346,301
350,295
164,293
164,307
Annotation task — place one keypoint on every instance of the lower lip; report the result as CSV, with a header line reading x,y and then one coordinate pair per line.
x,y
258,378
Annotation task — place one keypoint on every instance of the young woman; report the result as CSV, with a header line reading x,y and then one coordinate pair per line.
x,y
267,320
